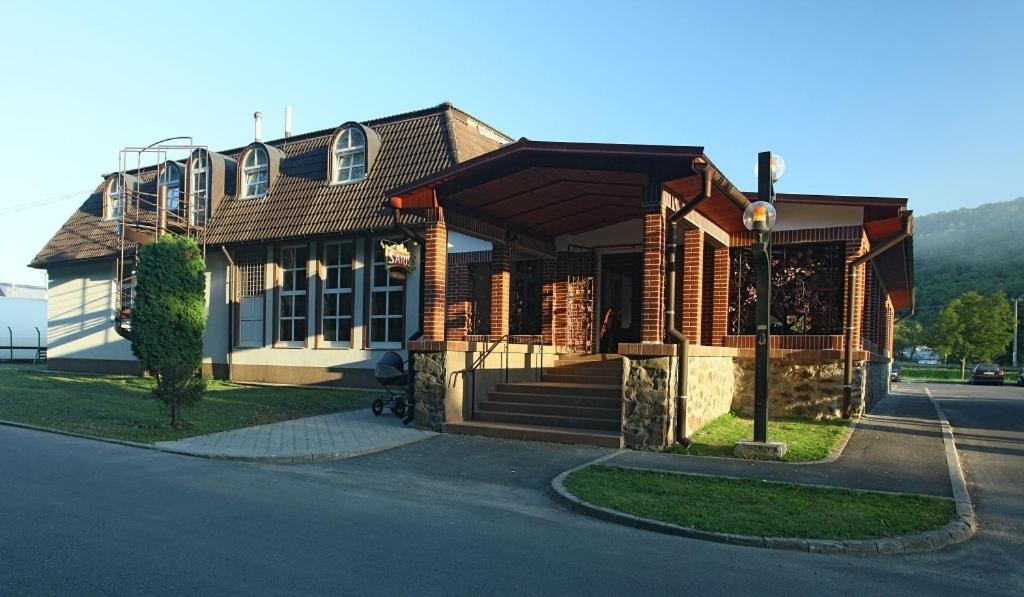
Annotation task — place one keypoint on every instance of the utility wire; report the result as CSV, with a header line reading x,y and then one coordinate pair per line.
x,y
9,209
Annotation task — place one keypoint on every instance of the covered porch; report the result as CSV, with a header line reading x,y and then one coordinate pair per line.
x,y
554,273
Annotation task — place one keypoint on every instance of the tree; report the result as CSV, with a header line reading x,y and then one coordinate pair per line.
x,y
907,336
972,327
169,319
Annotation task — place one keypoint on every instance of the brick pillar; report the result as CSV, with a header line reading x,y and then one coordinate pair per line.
x,y
459,298
693,283
652,329
547,304
855,249
720,310
501,289
434,280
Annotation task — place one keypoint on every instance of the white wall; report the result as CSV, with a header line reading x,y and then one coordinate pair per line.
x,y
629,232
81,313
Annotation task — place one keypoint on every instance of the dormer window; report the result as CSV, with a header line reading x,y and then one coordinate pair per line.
x,y
170,179
350,156
199,189
255,173
115,202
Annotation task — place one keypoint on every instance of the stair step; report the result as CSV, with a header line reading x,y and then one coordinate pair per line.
x,y
559,410
548,420
562,389
590,358
589,365
556,400
587,378
559,435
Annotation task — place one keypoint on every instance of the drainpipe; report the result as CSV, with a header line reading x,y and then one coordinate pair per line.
x,y
422,242
707,178
231,303
851,299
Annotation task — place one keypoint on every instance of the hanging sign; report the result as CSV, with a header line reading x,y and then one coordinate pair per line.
x,y
397,259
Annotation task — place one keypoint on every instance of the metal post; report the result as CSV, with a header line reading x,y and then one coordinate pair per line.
x,y
1016,322
10,334
39,346
762,332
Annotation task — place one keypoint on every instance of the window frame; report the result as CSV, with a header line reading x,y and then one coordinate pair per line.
x,y
255,170
165,181
198,165
324,291
256,259
281,293
392,286
337,154
111,212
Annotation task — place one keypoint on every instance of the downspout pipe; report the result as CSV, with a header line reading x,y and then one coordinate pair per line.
x,y
673,334
851,300
422,242
230,281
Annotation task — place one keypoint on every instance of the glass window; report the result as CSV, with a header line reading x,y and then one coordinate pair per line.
x,y
338,283
293,292
255,173
350,156
171,179
199,188
115,202
387,304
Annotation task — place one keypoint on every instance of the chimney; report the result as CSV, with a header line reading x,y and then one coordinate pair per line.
x,y
287,121
258,117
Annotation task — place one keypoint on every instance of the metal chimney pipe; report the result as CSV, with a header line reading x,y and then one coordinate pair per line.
x,y
258,117
287,121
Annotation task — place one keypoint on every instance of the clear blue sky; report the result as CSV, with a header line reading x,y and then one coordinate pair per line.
x,y
916,99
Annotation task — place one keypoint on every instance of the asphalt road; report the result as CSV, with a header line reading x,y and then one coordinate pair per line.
x,y
449,515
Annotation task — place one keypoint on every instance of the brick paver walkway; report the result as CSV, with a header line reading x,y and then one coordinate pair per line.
x,y
325,437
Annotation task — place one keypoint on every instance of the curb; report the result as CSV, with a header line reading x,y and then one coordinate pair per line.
x,y
297,459
962,497
957,531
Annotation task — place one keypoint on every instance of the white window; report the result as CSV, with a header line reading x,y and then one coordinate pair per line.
x,y
387,304
255,173
170,178
350,156
199,188
338,299
250,298
115,202
293,291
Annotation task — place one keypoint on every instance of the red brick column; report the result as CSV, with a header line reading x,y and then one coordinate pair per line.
x,y
501,289
692,283
434,280
652,329
720,310
547,304
458,294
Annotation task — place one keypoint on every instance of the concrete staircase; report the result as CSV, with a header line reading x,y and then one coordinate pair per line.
x,y
579,401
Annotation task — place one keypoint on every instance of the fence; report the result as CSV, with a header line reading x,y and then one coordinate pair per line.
x,y
22,344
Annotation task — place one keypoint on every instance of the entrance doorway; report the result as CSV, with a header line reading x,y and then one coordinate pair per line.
x,y
621,300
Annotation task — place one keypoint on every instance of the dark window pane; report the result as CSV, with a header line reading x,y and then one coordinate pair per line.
x,y
286,306
396,302
379,303
380,275
330,330
286,330
330,305
394,330
300,279
377,329
300,257
345,304
344,330
332,277
300,329
289,280
300,305
344,278
348,253
331,255
287,258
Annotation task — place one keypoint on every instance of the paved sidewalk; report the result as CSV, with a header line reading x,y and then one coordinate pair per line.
x,y
898,447
325,437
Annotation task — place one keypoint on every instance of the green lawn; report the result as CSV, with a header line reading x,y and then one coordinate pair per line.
x,y
758,507
944,375
122,407
805,439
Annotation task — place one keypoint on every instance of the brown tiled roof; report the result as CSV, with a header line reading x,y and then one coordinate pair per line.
x,y
301,201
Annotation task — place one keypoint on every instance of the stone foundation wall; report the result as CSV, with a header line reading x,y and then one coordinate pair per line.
x,y
429,389
710,388
648,409
800,388
877,383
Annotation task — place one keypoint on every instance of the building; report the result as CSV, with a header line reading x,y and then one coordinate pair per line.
x,y
564,291
22,322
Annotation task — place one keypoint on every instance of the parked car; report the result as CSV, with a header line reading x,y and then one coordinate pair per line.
x,y
894,373
1020,377
987,373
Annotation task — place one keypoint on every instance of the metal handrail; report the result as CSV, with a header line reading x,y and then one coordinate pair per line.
x,y
471,370
11,347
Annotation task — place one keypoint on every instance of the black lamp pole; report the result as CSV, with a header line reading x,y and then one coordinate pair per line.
x,y
762,253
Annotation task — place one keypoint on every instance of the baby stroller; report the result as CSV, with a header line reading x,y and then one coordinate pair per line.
x,y
390,372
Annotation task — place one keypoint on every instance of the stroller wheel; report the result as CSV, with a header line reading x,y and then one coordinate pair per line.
x,y
399,409
377,406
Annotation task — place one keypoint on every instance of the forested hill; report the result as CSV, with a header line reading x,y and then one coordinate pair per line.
x,y
979,248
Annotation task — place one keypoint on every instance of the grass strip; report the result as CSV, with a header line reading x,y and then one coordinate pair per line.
x,y
748,507
806,439
122,407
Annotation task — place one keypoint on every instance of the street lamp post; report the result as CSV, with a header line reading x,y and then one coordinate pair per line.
x,y
759,218
1016,322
